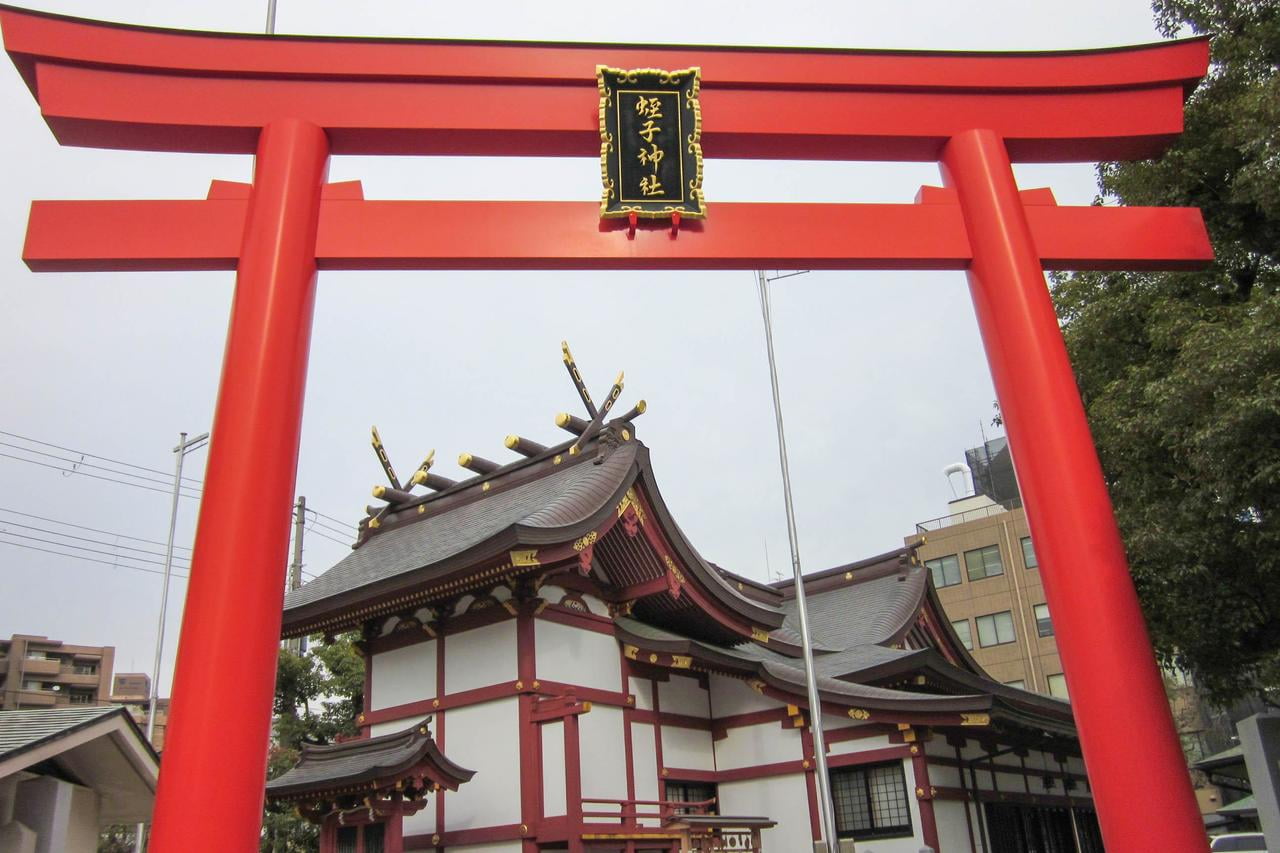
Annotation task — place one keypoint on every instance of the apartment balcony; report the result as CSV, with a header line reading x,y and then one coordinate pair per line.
x,y
37,698
68,675
40,666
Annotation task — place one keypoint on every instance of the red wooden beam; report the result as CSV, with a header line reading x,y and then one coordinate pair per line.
x,y
33,36
205,235
131,87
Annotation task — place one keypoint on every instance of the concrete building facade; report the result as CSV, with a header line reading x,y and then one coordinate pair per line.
x,y
36,672
984,567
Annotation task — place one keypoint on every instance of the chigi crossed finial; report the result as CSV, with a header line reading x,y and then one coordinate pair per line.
x,y
398,494
587,429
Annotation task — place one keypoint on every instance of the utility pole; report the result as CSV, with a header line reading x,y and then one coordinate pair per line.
x,y
297,644
180,452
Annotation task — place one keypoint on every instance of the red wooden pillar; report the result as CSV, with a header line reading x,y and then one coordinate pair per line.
x,y
573,783
924,795
1126,729
211,779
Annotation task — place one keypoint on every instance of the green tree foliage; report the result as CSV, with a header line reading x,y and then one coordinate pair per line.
x,y
1180,372
116,839
318,696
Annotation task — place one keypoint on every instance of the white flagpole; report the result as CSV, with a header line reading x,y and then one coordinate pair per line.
x,y
811,681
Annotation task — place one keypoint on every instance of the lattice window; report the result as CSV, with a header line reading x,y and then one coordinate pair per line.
x,y
871,801
692,792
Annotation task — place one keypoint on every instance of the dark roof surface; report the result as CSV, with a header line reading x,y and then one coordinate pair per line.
x,y
323,768
862,612
23,730
566,495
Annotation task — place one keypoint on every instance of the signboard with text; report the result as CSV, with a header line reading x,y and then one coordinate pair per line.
x,y
650,142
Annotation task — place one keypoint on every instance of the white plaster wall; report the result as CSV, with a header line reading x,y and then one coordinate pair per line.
x,y
552,593
424,822
603,754
683,695
480,657
848,747
82,825
831,722
1015,783
953,834
403,675
577,656
945,777
398,725
644,759
495,847
484,738
595,605
553,780
642,689
782,798
687,748
733,696
43,805
747,746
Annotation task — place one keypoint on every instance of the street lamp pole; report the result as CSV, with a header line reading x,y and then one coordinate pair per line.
x,y
180,452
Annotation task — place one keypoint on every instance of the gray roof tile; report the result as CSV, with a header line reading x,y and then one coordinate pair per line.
x,y
862,612
565,496
20,730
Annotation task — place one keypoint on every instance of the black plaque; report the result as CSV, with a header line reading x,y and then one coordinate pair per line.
x,y
650,142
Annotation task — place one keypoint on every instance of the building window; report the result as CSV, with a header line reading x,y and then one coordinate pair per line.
x,y
945,570
1044,627
963,632
1058,686
85,669
1029,553
983,562
995,629
1018,683
692,792
81,698
871,801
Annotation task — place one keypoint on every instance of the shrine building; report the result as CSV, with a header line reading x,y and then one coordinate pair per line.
x,y
551,665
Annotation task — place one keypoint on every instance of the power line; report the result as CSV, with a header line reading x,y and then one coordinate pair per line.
x,y
83,539
78,463
350,531
91,529
332,539
89,559
91,455
82,548
330,518
96,476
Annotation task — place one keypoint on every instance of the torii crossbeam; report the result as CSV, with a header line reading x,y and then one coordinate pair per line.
x,y
293,101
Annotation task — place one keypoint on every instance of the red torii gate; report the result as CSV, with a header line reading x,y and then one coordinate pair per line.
x,y
294,101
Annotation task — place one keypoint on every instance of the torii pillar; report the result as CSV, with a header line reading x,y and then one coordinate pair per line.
x,y
293,100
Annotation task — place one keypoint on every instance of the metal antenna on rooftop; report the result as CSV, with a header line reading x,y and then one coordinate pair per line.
x,y
802,611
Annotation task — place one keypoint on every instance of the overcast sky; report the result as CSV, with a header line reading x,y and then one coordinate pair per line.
x,y
883,377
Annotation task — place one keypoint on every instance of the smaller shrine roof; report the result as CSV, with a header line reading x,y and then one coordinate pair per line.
x,y
381,760
889,593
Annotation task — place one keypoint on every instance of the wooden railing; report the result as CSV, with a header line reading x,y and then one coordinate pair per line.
x,y
654,812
